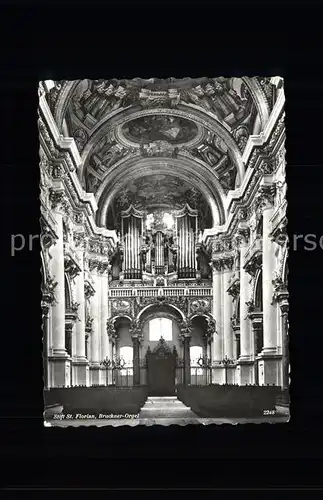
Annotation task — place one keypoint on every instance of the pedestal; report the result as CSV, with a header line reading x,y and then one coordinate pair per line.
x,y
60,371
218,375
269,369
95,373
81,372
245,373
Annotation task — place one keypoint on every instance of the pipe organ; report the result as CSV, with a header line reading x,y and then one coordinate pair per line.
x,y
156,248
131,230
186,229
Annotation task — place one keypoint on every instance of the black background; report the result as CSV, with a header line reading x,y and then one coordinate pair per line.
x,y
64,41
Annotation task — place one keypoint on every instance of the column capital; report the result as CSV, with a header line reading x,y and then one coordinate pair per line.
x,y
242,235
136,330
234,289
111,331
58,201
216,264
79,238
88,290
94,265
48,296
71,267
280,294
253,264
211,328
72,312
266,196
104,267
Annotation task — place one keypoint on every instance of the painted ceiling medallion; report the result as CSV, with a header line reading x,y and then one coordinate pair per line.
x,y
147,129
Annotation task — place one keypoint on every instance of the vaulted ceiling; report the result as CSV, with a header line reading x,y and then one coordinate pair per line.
x,y
161,142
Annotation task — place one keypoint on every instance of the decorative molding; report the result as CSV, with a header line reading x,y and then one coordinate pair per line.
x,y
48,291
71,267
88,290
253,264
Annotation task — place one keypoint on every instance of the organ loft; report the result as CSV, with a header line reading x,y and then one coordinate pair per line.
x,y
163,212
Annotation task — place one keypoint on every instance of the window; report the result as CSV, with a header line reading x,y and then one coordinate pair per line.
x,y
160,327
168,220
196,352
126,356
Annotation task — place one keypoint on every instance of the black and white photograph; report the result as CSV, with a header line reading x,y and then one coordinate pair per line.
x,y
164,251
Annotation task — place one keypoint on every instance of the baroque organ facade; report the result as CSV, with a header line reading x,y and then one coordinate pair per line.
x,y
163,206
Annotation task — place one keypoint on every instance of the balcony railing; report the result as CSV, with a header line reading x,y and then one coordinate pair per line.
x,y
160,292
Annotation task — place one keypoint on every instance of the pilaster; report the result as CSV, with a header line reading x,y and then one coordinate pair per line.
x,y
59,362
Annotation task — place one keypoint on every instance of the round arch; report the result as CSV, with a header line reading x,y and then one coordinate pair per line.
x,y
258,300
133,169
43,270
148,311
251,83
285,267
68,292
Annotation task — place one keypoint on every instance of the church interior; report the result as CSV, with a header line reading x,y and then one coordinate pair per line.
x,y
164,245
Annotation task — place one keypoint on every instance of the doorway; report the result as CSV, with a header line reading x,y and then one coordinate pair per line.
x,y
161,367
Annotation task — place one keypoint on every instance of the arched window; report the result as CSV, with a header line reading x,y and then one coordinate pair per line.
x,y
196,353
258,294
259,229
160,327
67,293
126,356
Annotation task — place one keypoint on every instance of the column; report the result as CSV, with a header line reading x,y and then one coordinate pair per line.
x,y
269,365
187,360
227,314
269,316
217,340
80,362
104,316
95,336
45,310
245,361
59,361
257,329
285,342
136,359
245,344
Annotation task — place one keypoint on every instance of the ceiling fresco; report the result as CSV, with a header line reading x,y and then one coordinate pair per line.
x,y
160,127
113,121
160,192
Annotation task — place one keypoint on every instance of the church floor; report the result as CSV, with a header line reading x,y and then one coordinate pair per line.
x,y
164,411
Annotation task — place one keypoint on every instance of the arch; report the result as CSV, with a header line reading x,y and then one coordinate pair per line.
x,y
120,317
259,227
238,308
161,333
259,99
258,298
68,292
185,169
171,306
202,315
43,271
285,266
187,111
